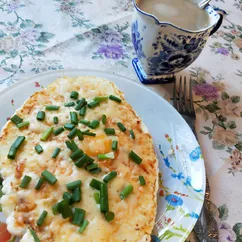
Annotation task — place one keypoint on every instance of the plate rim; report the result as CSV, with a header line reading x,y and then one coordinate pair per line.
x,y
65,72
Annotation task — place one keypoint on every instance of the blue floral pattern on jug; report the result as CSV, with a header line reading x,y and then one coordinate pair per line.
x,y
174,53
137,40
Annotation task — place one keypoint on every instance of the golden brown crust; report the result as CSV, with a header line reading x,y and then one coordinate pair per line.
x,y
134,216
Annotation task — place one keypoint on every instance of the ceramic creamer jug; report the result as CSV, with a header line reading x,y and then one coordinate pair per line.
x,y
164,48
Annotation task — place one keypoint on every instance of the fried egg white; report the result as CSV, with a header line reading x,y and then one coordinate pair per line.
x,y
134,216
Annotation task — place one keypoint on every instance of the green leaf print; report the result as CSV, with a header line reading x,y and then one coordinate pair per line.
x,y
45,36
237,227
27,23
212,107
239,146
224,95
223,212
169,234
235,99
218,146
231,125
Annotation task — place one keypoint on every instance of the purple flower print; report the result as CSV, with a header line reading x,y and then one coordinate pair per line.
x,y
30,35
14,5
111,51
226,233
206,90
222,51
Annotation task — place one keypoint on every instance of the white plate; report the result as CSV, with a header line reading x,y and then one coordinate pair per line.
x,y
182,173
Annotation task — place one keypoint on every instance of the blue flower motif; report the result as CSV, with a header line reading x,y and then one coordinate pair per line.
x,y
137,40
161,150
171,54
188,183
174,200
167,163
193,215
195,154
179,176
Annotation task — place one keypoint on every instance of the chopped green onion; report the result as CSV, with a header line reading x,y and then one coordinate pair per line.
x,y
69,126
74,95
134,157
121,126
36,239
126,191
104,206
110,176
83,227
88,133
80,104
72,145
79,134
104,119
132,134
64,209
96,171
40,115
55,120
42,217
58,131
114,145
15,147
72,185
142,180
16,119
76,195
92,166
76,154
72,133
49,177
109,155
56,152
97,197
23,124
25,182
68,197
39,183
73,117
95,184
83,110
93,104
47,134
52,107
38,149
109,131
109,216
78,216
100,99
94,124
55,210
83,160
83,121
70,104
114,98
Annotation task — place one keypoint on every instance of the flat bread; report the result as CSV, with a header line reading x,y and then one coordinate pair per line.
x,y
134,215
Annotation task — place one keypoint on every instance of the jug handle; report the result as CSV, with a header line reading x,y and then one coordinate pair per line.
x,y
220,21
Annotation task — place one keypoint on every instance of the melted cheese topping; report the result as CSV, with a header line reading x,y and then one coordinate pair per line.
x,y
134,216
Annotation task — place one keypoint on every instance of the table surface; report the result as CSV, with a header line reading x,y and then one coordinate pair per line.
x,y
38,36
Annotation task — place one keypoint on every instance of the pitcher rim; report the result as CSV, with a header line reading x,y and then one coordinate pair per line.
x,y
168,23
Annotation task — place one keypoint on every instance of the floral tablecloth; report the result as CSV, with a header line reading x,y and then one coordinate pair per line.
x,y
38,36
